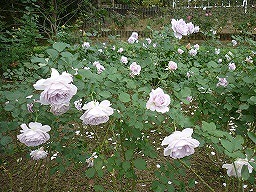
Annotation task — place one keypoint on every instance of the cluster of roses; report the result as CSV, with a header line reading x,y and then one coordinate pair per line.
x,y
181,28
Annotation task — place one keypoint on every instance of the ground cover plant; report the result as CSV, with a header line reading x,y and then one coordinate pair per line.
x,y
135,115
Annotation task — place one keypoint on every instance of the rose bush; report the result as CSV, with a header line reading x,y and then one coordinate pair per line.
x,y
202,93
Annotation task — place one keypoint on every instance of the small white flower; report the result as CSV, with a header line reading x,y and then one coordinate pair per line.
x,y
124,60
196,46
86,45
231,66
120,50
77,132
154,45
148,40
217,51
172,66
234,42
222,82
212,153
158,166
100,50
38,154
180,51
192,52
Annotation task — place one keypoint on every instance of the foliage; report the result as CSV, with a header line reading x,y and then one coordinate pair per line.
x,y
223,117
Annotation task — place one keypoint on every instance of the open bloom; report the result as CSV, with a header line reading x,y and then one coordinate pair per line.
x,y
38,154
180,144
34,135
135,69
239,163
222,82
59,109
57,89
124,60
86,45
192,52
232,66
96,113
158,101
180,51
172,66
179,28
191,27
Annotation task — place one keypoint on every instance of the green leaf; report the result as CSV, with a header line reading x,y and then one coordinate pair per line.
x,y
5,140
124,97
105,94
227,145
98,188
245,172
212,64
128,154
52,53
253,99
252,136
9,107
86,74
90,172
126,165
66,54
140,164
243,106
60,46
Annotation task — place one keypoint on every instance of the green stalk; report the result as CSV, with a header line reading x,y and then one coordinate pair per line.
x,y
198,176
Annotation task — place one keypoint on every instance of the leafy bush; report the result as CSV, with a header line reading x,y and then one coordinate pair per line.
x,y
205,93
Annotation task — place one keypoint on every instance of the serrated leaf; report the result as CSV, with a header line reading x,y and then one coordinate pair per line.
x,y
126,165
124,97
60,46
252,136
245,172
52,53
128,154
140,164
105,94
90,172
5,140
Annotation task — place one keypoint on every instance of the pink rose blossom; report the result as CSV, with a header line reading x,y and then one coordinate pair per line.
x,y
158,101
192,52
180,144
222,82
179,28
135,69
232,66
172,66
180,51
96,113
124,60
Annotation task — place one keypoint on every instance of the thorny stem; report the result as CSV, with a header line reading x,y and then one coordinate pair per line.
x,y
10,177
198,176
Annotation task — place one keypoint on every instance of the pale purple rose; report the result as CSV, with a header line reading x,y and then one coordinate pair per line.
x,y
57,89
222,82
239,163
34,135
172,66
86,45
232,66
191,28
38,154
154,45
192,52
196,46
120,50
114,48
249,59
131,40
189,98
148,40
30,107
180,144
135,69
158,101
78,104
100,68
196,29
234,42
220,61
96,113
124,60
179,28
180,51
59,109
95,63
135,35
217,51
